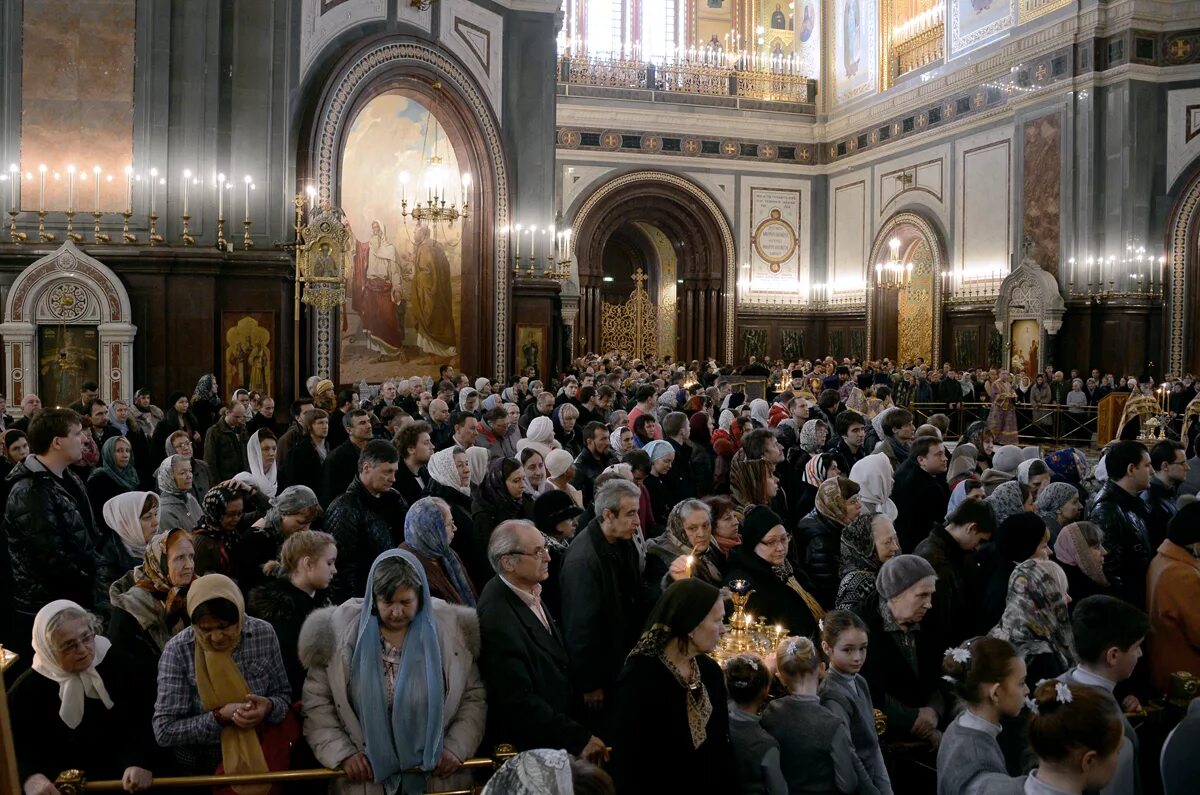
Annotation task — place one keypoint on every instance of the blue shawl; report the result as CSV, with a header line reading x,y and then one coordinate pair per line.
x,y
425,531
409,733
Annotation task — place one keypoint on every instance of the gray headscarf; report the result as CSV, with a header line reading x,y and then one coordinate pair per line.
x,y
808,437
165,476
292,500
1006,500
1051,498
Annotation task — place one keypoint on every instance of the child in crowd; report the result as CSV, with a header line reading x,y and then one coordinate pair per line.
x,y
756,752
814,744
989,676
846,694
1076,737
1108,643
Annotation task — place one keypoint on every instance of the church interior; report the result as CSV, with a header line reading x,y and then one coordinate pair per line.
x,y
362,191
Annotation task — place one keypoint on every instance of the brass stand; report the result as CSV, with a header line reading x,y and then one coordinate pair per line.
x,y
72,235
517,266
222,243
126,236
43,235
247,243
99,236
155,237
186,235
549,267
14,235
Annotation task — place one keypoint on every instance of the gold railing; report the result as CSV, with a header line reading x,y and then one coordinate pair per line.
x,y
692,79
923,48
686,77
614,73
772,87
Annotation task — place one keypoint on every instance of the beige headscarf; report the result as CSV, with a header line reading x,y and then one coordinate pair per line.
x,y
219,682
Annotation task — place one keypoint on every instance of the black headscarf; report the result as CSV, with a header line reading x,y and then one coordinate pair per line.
x,y
1184,527
678,611
493,489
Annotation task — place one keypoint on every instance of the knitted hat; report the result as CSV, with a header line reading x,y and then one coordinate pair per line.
x,y
552,507
901,573
558,462
757,522
1184,527
1007,458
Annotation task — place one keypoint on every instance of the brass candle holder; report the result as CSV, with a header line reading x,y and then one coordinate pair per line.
x,y
72,235
222,243
517,266
186,234
43,235
14,234
154,236
549,267
126,236
97,235
247,243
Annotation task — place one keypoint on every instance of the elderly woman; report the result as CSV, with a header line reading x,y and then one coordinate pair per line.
x,y
260,457
817,549
671,731
450,481
206,403
868,542
560,471
874,477
393,683
478,459
70,709
539,437
429,528
782,594
133,520
294,509
219,680
1008,499
903,669
1058,504
963,464
179,508
1019,537
179,443
1036,621
659,483
1079,550
148,602
688,535
177,417
115,475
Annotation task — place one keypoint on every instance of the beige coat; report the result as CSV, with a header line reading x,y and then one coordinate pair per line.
x,y
330,725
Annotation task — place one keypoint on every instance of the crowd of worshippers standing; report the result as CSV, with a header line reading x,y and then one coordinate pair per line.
x,y
391,586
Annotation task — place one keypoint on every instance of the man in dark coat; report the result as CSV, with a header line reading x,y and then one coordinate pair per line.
x,y
294,431
225,444
416,448
604,601
1170,465
592,460
341,465
677,431
366,520
949,550
524,656
337,429
48,525
1122,515
920,491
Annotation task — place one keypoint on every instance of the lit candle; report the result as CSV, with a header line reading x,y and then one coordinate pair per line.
x,y
312,200
14,189
246,179
96,171
42,188
71,188
220,196
403,186
187,180
688,566
153,186
129,189
532,242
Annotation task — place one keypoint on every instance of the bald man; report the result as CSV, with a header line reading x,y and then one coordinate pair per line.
x,y
439,416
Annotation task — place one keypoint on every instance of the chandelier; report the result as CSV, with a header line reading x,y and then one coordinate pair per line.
x,y
893,274
437,206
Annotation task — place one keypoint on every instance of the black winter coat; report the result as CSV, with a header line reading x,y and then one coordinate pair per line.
x,y
1160,501
897,688
681,472
100,489
463,544
921,499
702,461
364,526
52,538
170,423
1123,517
338,469
284,607
225,450
302,467
952,617
587,469
773,599
818,545
485,516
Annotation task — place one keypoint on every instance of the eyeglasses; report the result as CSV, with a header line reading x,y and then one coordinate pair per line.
x,y
780,542
537,553
77,645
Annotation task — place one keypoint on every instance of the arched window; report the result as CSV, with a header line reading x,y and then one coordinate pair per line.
x,y
606,27
660,29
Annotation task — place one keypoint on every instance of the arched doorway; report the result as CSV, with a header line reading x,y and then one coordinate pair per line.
x,y
1180,326
904,301
662,223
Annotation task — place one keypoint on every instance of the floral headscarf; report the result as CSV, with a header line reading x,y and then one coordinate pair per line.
x,y
860,562
1052,498
1035,616
153,574
1069,464
206,391
165,476
830,502
1073,549
808,437
1006,501
215,502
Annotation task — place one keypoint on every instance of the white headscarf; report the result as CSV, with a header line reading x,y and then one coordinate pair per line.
x,y
72,688
464,396
540,437
760,412
478,459
538,772
123,514
442,469
267,482
873,475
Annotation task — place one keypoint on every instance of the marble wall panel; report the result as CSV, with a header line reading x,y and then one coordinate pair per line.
x,y
1042,189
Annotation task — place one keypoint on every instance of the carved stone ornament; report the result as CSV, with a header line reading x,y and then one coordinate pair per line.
x,y
1029,293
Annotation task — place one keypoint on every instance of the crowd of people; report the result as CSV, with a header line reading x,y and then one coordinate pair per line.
x,y
390,584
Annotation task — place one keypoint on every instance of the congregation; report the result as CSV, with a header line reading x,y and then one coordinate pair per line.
x,y
389,584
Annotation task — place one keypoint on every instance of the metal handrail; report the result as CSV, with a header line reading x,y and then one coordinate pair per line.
x,y
1061,424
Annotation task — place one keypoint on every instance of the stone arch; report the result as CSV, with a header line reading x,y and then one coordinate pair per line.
x,y
690,217
933,237
1180,328
430,75
68,288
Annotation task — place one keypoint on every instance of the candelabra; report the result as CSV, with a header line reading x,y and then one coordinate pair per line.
x,y
186,234
222,243
744,633
14,234
247,243
97,235
72,235
43,235
126,235
154,236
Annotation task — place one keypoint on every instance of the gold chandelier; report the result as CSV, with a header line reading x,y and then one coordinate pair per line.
x,y
893,274
437,207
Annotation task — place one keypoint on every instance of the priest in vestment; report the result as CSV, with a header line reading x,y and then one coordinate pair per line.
x,y
431,296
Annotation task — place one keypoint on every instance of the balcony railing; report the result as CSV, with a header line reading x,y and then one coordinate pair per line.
x,y
687,78
1073,426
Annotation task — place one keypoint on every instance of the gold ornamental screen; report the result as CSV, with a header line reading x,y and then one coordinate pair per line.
x,y
631,327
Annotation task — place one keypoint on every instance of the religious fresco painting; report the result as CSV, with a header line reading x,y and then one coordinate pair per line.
x,y
808,37
403,310
1026,344
532,349
68,357
248,350
976,22
854,56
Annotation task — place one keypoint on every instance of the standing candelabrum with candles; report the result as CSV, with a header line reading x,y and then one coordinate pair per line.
x,y
14,205
555,245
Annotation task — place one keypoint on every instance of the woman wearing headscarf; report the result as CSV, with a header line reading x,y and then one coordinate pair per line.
x,y
260,457
547,771
760,413
294,509
703,458
688,535
1035,619
219,680
659,484
501,497
393,684
1058,504
539,437
566,428
620,441
115,475
982,437
874,477
218,536
429,528
478,459
963,463
967,488
802,490
178,508
1007,500
179,443
206,403
177,417
867,543
70,709
817,548
133,519
671,731
1019,537
450,481
782,594
1079,550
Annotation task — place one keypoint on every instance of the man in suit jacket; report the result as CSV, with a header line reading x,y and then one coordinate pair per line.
x,y
524,658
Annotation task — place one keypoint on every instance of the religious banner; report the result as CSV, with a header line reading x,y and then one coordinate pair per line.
x,y
774,238
977,22
248,347
855,51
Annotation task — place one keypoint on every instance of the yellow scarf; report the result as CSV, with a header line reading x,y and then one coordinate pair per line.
x,y
219,682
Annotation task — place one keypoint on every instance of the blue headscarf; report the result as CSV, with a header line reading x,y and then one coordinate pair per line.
x,y
425,531
125,476
410,732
